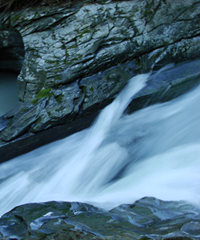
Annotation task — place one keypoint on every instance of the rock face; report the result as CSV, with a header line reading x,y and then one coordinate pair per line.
x,y
148,218
65,44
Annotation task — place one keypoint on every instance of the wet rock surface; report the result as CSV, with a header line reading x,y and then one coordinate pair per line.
x,y
66,43
78,57
147,218
56,113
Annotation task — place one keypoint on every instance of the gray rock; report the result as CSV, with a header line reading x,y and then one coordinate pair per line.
x,y
64,44
147,218
101,88
192,228
48,109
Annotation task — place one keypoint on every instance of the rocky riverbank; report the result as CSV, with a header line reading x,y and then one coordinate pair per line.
x,y
148,218
73,60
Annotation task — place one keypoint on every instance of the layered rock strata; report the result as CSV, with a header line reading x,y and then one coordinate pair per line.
x,y
64,44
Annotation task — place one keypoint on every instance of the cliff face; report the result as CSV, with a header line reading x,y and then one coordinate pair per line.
x,y
64,44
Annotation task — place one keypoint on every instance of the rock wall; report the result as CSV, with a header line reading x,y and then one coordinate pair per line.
x,y
64,44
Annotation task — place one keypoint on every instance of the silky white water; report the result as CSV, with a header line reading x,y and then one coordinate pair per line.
x,y
119,159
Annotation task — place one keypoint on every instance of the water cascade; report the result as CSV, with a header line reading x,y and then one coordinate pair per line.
x,y
119,159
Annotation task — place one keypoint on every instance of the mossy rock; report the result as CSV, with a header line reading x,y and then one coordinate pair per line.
x,y
42,94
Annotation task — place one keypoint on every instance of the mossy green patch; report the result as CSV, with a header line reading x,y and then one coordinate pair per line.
x,y
15,18
59,98
72,46
85,31
58,77
91,88
42,94
22,110
84,88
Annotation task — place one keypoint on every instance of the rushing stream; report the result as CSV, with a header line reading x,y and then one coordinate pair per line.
x,y
121,158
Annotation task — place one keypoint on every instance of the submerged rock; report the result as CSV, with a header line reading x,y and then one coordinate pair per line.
x,y
147,218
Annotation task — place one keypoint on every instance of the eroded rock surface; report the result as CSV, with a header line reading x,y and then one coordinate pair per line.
x,y
148,218
64,44
77,58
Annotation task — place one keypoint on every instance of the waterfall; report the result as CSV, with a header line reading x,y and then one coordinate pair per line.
x,y
119,159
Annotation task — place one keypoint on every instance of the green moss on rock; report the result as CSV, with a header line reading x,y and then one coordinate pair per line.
x,y
42,94
59,98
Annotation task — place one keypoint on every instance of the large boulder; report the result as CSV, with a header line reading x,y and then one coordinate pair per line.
x,y
148,218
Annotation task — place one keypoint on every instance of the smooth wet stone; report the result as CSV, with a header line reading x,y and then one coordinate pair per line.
x,y
147,218
192,228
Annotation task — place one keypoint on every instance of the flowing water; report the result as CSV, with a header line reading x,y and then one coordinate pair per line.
x,y
119,159
8,92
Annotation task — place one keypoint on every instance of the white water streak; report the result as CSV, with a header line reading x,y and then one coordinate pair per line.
x,y
153,152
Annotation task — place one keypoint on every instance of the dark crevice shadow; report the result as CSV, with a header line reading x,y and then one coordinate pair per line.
x,y
8,91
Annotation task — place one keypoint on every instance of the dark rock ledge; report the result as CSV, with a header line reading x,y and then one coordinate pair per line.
x,y
39,122
148,218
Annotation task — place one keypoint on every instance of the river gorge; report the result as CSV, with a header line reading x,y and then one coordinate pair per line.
x,y
99,121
